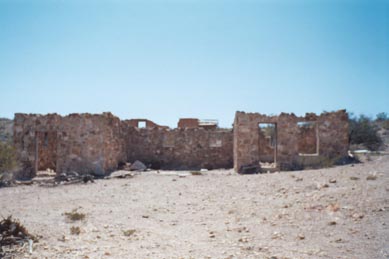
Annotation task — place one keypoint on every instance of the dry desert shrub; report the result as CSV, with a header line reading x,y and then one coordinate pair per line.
x,y
129,232
74,215
75,230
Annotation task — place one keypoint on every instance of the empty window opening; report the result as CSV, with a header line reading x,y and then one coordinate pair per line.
x,y
141,124
215,140
308,138
267,137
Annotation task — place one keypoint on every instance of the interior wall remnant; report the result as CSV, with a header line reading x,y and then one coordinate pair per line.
x,y
180,149
327,138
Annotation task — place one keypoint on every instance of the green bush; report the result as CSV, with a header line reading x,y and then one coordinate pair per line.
x,y
382,116
364,132
8,160
382,120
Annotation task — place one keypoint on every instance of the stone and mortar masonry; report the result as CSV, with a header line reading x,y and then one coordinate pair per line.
x,y
332,134
95,143
98,143
77,142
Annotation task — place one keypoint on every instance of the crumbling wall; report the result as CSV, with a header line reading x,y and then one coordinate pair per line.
x,y
191,148
98,143
188,123
146,123
47,143
29,140
332,138
80,142
90,143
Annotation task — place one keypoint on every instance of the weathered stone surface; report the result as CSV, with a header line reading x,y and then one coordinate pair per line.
x,y
179,149
84,143
295,145
138,166
99,144
188,123
121,174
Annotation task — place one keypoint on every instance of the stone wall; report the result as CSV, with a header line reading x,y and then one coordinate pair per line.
x,y
80,142
146,123
29,140
329,137
191,148
99,143
89,143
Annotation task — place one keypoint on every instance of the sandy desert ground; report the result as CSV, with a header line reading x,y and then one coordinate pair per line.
x,y
340,212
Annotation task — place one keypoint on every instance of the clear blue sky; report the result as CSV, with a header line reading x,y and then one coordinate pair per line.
x,y
164,60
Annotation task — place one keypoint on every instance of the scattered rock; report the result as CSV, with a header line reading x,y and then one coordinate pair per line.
x,y
301,237
250,169
74,177
371,177
354,178
357,216
332,180
129,232
243,240
333,207
88,178
322,185
6,183
138,166
121,174
276,235
196,173
315,208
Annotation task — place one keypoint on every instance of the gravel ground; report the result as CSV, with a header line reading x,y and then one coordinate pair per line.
x,y
340,212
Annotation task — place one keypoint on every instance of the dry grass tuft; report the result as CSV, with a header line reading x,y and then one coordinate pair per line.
x,y
129,232
74,215
75,230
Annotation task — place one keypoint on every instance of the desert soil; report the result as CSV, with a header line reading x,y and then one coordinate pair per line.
x,y
340,212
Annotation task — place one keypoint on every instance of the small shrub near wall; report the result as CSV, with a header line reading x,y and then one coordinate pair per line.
x,y
7,157
364,132
8,162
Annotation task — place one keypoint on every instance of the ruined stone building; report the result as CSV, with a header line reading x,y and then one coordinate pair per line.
x,y
101,143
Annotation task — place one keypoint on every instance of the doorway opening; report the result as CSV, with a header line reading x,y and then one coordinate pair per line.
x,y
267,145
46,151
